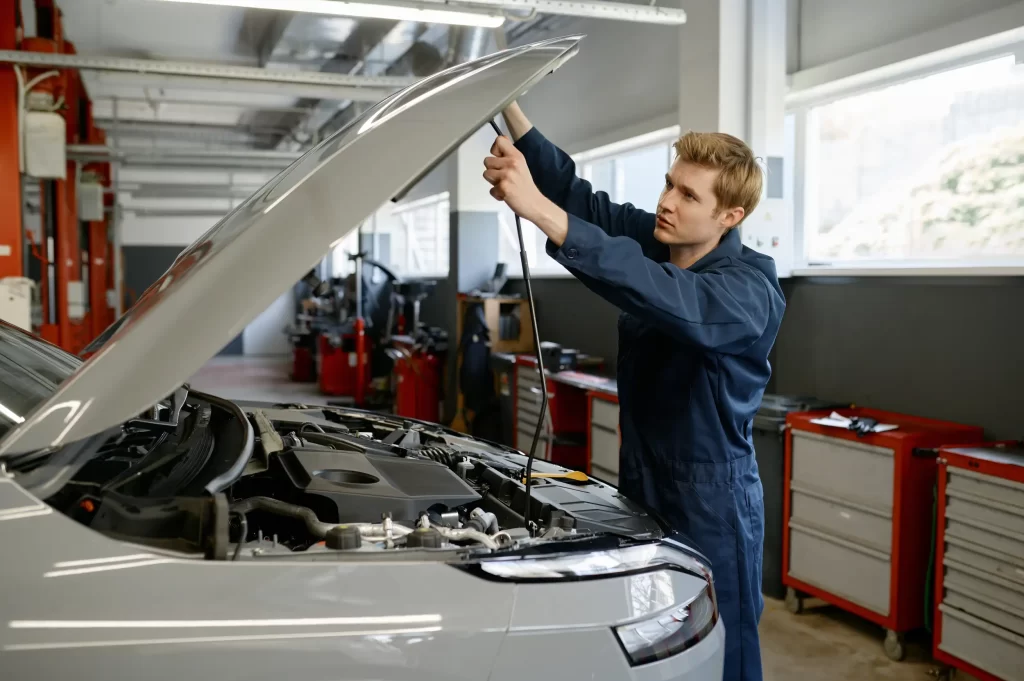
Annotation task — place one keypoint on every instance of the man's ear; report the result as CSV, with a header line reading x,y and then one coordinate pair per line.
x,y
732,217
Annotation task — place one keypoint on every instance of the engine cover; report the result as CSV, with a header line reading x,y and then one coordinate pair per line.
x,y
364,485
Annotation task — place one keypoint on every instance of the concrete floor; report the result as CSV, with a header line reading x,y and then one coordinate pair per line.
x,y
822,643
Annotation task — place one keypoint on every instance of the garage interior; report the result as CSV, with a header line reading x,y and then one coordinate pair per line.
x,y
892,210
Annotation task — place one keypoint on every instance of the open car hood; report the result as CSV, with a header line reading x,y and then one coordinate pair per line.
x,y
243,263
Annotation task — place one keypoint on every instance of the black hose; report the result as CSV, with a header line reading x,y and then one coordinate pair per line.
x,y
313,523
243,533
540,362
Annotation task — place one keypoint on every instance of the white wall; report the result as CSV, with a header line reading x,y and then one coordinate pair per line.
x,y
163,231
830,30
265,334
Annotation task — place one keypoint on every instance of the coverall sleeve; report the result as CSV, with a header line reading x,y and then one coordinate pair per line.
x,y
554,173
724,310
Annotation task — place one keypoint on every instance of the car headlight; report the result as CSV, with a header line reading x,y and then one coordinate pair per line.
x,y
670,633
579,565
653,638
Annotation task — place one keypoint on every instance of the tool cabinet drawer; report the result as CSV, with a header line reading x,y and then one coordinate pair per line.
x,y
524,439
982,644
986,560
604,414
604,449
985,586
993,538
856,573
528,415
988,610
851,471
981,486
860,524
994,515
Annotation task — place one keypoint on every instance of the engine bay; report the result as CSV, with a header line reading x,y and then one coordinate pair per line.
x,y
244,481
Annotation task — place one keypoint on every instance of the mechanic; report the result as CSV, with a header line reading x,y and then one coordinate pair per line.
x,y
700,313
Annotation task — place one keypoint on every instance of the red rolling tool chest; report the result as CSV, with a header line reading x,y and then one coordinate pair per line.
x,y
979,561
858,515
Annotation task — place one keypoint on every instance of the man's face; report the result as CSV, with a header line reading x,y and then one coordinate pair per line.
x,y
688,212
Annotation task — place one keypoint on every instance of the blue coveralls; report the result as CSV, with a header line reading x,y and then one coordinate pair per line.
x,y
692,367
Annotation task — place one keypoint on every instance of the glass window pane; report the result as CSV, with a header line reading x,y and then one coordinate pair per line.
x,y
928,169
643,176
602,176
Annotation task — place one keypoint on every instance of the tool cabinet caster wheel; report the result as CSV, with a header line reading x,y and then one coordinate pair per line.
x,y
794,601
894,647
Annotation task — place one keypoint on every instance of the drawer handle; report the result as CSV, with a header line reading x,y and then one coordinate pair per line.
x,y
536,391
606,429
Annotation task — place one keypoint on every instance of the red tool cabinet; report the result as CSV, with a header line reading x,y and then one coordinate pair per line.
x,y
979,561
604,438
563,433
858,515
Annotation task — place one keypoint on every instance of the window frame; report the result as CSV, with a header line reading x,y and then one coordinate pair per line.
x,y
799,102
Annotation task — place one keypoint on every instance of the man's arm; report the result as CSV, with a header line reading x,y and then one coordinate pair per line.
x,y
554,172
725,310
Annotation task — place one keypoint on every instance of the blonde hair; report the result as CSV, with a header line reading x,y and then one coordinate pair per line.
x,y
739,181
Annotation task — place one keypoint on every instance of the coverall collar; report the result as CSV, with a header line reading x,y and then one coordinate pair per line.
x,y
730,245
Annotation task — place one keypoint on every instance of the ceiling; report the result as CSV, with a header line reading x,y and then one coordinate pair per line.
x,y
166,113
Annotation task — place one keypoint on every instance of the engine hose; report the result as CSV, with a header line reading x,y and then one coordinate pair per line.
x,y
313,524
439,455
467,534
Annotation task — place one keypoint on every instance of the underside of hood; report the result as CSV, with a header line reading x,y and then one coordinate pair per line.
x,y
227,277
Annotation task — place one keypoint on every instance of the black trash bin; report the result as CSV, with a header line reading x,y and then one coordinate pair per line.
x,y
504,366
769,447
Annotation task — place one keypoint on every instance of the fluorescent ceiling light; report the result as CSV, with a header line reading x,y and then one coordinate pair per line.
x,y
427,12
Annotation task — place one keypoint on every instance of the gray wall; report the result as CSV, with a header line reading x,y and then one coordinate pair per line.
x,y
833,29
947,348
569,314
143,265
637,63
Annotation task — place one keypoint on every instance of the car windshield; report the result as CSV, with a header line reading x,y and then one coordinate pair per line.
x,y
30,371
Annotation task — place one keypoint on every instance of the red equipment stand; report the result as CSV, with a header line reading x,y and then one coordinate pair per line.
x,y
417,377
341,372
858,514
979,561
303,364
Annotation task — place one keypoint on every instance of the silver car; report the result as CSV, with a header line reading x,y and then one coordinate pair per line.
x,y
153,532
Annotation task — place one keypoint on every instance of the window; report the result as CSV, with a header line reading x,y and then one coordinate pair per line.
x,y
926,171
630,171
417,236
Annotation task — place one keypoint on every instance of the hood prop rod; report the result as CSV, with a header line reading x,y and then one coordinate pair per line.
x,y
530,525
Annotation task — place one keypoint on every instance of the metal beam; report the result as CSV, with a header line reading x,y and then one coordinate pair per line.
x,y
272,38
156,102
198,158
243,78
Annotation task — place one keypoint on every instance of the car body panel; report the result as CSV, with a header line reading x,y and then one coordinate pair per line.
x,y
228,276
80,604
595,653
